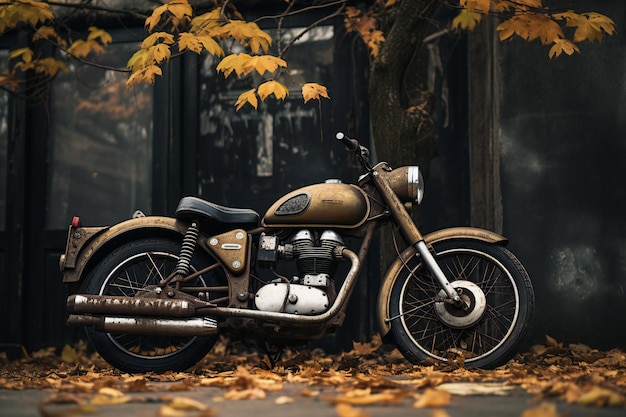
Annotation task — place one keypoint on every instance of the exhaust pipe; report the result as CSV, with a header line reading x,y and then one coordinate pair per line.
x,y
197,326
129,306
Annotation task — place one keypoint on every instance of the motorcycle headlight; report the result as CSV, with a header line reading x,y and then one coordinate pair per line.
x,y
408,184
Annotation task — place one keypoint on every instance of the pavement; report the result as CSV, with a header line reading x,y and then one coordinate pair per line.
x,y
32,403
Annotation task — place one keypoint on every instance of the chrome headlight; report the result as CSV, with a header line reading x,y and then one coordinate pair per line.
x,y
416,184
408,184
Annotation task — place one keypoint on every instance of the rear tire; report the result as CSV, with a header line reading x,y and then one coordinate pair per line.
x,y
489,333
125,271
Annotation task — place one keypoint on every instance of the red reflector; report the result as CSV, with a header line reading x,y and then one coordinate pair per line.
x,y
76,221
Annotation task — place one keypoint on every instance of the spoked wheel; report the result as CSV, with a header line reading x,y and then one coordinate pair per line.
x,y
127,271
498,306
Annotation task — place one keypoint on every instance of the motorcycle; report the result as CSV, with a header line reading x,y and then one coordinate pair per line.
x,y
154,293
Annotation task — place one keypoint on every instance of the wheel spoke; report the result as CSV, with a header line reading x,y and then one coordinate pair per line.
x,y
435,337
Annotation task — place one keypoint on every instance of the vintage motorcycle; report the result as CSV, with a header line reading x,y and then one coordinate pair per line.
x,y
154,292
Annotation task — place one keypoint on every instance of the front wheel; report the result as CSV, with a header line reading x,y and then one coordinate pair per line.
x,y
128,270
487,331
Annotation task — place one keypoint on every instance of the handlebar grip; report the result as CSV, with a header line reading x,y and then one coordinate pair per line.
x,y
350,144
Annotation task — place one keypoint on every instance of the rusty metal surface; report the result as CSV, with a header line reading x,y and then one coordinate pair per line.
x,y
84,242
140,306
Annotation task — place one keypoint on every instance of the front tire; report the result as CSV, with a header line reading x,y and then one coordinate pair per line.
x,y
489,332
126,271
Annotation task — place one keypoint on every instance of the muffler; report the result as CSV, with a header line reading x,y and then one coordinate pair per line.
x,y
197,326
129,306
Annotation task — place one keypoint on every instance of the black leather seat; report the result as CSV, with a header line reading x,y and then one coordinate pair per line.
x,y
216,216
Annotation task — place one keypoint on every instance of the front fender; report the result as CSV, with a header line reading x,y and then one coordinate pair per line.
x,y
86,244
435,237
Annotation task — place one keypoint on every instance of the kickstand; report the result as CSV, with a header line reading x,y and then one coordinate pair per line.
x,y
272,354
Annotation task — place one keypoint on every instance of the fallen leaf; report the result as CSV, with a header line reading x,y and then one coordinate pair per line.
x,y
543,410
184,403
474,388
346,410
433,398
283,399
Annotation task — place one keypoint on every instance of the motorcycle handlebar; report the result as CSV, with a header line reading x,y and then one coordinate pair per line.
x,y
350,144
353,145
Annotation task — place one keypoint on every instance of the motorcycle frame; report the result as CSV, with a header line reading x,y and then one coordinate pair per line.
x,y
86,246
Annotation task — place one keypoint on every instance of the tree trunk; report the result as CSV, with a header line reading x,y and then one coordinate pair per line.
x,y
400,103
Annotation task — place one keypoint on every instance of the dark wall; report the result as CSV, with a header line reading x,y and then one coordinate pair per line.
x,y
562,164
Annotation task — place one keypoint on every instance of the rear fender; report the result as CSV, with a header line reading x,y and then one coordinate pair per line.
x,y
439,236
87,245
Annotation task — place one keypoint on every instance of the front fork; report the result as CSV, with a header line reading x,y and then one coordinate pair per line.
x,y
434,268
410,231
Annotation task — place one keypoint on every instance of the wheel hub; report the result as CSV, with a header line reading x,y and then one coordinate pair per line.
x,y
473,306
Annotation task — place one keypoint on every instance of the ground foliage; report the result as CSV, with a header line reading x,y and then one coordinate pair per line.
x,y
370,373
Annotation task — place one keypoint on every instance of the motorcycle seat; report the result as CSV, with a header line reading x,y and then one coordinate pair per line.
x,y
190,208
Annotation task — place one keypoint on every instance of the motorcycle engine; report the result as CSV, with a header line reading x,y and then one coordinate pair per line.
x,y
316,261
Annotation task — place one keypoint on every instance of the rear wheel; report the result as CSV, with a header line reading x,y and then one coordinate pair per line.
x,y
125,272
487,333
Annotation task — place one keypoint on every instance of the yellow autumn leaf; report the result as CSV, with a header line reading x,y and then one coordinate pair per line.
x,y
25,53
562,46
138,60
263,63
505,30
207,23
49,66
176,11
28,12
248,34
99,34
591,25
145,74
159,53
211,46
244,64
198,43
273,87
247,97
47,32
466,20
233,62
189,41
481,6
313,91
81,48
181,10
156,38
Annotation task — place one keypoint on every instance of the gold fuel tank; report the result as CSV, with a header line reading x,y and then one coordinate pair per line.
x,y
329,205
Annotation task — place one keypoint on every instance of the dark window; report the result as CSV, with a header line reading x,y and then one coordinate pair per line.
x,y
101,143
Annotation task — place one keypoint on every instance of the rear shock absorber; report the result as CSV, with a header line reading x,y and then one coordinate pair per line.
x,y
187,249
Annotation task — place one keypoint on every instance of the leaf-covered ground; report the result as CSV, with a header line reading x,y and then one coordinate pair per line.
x,y
370,373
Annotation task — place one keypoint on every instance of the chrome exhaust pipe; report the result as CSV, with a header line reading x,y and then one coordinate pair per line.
x,y
197,326
129,306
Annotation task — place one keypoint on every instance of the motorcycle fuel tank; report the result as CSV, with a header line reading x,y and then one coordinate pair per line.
x,y
329,204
